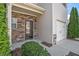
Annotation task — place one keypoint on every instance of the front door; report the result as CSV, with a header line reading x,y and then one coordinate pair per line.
x,y
28,29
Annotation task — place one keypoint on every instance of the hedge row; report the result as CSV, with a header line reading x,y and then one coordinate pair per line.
x,y
4,40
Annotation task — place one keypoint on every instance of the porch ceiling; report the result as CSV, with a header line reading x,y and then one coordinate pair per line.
x,y
28,8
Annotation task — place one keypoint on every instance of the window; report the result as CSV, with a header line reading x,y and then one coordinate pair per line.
x,y
14,23
28,27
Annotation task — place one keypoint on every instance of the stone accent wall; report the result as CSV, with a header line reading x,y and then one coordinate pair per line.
x,y
18,34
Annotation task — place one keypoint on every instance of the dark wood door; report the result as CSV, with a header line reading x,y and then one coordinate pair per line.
x,y
29,29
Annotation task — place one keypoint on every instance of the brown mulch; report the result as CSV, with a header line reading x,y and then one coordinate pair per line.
x,y
16,52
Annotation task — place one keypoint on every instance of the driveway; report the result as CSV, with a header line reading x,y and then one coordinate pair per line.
x,y
63,48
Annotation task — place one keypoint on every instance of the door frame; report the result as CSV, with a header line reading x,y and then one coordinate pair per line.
x,y
32,27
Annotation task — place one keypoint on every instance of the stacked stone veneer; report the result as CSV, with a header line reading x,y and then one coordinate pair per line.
x,y
18,34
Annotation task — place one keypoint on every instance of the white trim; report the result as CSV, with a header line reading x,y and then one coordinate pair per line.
x,y
9,6
35,6
23,13
33,29
31,7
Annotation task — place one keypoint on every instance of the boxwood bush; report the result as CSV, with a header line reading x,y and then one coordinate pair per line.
x,y
4,40
33,49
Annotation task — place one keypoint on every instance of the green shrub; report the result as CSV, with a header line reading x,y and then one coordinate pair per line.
x,y
4,43
33,49
73,26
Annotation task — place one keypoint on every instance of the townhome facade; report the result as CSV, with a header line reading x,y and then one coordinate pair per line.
x,y
42,21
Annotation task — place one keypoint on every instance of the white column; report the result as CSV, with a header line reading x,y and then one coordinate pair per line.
x,y
9,7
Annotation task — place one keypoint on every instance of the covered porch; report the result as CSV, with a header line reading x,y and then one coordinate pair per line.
x,y
24,22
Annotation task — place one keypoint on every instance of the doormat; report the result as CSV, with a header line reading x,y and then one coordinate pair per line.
x,y
72,54
47,44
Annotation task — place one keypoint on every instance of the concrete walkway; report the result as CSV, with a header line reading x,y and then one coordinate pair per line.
x,y
62,48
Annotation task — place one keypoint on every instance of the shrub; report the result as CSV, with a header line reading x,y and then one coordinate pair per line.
x,y
33,49
4,43
73,26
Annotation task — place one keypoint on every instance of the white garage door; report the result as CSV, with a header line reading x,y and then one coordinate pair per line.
x,y
60,30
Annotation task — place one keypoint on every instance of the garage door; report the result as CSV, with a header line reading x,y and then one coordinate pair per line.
x,y
60,30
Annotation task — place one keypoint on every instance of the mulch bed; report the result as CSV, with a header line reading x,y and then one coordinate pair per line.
x,y
16,52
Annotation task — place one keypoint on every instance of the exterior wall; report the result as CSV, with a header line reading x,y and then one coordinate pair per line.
x,y
45,23
49,24
59,21
18,34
